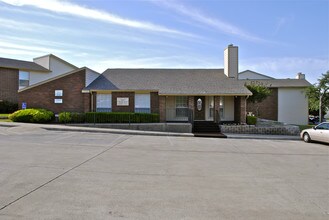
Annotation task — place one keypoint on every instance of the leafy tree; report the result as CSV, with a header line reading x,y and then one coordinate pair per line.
x,y
318,96
259,91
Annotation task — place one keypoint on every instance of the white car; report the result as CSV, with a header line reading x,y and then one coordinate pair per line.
x,y
317,133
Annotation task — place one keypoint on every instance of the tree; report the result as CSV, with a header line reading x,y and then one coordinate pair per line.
x,y
259,93
318,96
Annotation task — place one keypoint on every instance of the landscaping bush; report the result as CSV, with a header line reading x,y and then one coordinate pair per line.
x,y
121,117
251,120
71,117
8,107
32,115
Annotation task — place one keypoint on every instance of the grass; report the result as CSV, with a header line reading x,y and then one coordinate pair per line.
x,y
4,118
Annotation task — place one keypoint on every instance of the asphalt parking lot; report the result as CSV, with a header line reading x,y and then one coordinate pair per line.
x,y
76,175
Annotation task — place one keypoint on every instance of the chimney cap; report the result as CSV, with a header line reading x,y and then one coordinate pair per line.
x,y
230,45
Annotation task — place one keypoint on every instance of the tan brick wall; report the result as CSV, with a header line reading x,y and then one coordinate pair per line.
x,y
9,85
129,108
268,109
43,96
154,102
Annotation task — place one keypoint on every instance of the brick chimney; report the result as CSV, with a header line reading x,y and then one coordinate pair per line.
x,y
231,64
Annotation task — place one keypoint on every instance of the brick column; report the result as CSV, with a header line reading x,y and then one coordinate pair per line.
x,y
243,110
154,102
240,109
87,102
217,109
162,108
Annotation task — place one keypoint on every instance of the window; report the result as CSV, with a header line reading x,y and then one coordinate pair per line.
x,y
324,126
104,103
221,107
24,79
58,92
143,103
181,106
211,107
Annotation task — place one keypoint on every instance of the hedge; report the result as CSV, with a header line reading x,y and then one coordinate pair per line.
x,y
251,120
121,117
8,107
71,117
32,115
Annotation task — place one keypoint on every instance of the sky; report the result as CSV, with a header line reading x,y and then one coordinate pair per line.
x,y
278,38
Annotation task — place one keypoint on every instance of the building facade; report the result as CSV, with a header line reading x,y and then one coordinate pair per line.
x,y
177,95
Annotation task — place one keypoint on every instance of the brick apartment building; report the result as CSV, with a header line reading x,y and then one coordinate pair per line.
x,y
210,94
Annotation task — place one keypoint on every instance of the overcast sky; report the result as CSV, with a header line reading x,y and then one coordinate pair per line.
x,y
275,37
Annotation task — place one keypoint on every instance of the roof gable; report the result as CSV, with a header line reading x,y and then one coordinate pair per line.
x,y
248,74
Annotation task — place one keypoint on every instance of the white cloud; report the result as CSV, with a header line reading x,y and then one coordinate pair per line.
x,y
202,18
69,8
40,49
287,67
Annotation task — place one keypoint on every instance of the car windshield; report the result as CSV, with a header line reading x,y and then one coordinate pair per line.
x,y
323,126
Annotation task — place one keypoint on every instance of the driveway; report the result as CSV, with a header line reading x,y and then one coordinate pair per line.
x,y
76,175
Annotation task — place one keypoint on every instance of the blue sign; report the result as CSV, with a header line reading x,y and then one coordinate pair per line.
x,y
23,105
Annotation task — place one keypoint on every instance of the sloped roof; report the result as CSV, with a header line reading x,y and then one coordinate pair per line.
x,y
256,73
170,81
21,65
281,83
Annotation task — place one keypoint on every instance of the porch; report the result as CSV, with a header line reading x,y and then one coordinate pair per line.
x,y
202,108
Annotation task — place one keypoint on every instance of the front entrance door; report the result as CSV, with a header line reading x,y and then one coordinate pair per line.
x,y
199,107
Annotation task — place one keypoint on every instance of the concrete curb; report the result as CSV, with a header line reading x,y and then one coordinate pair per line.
x,y
118,131
263,137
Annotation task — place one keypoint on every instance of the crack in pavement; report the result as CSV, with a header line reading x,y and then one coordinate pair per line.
x,y
116,142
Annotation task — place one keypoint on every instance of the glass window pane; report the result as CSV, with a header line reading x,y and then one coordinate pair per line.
x,y
24,79
181,101
142,101
104,101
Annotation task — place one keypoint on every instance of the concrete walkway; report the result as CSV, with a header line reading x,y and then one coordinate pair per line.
x,y
60,127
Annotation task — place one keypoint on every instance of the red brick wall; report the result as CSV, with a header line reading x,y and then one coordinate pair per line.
x,y
129,108
268,109
154,102
162,108
9,85
240,109
43,96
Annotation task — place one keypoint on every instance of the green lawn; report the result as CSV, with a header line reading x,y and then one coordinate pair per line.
x,y
4,118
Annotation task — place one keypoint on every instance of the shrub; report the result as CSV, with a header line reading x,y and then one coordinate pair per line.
x,y
75,117
121,117
8,107
251,120
32,115
64,117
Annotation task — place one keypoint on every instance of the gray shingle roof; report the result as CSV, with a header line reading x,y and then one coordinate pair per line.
x,y
21,65
170,81
281,83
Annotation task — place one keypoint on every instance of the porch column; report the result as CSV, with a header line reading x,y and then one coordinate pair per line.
x,y
162,108
93,101
240,109
243,110
217,109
